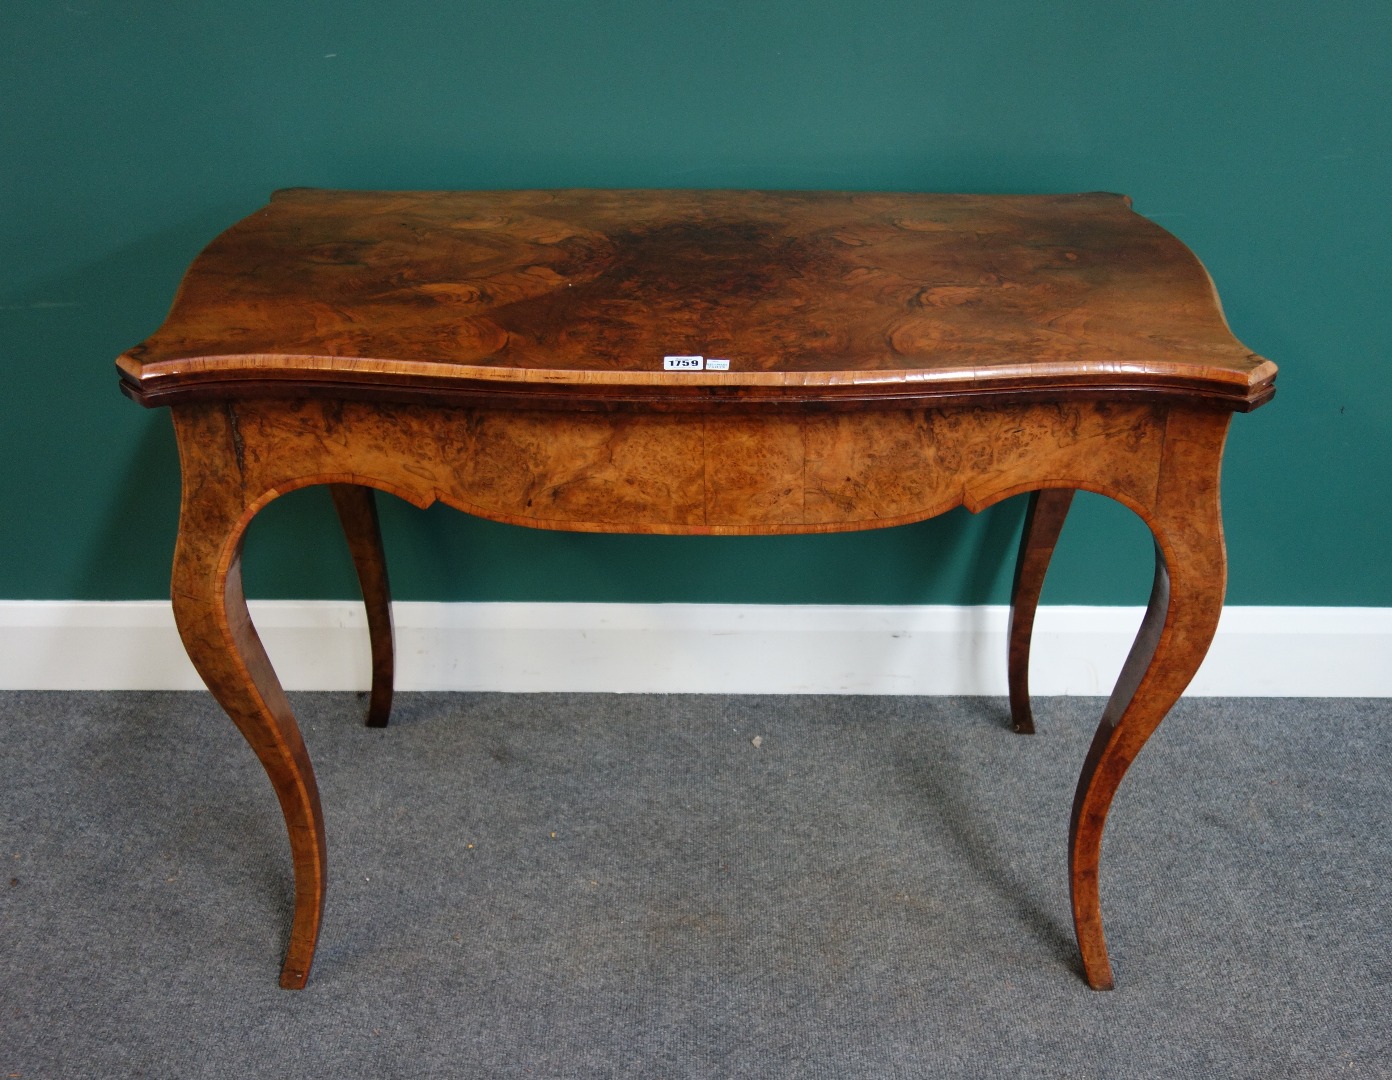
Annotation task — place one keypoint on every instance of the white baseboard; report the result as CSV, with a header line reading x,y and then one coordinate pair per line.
x,y
696,648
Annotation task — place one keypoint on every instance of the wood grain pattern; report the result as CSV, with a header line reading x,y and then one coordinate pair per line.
x,y
707,474
811,296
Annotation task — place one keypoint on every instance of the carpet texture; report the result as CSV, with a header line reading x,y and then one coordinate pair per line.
x,y
626,886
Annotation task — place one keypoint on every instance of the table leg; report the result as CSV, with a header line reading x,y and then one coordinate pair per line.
x,y
211,613
1043,523
1180,620
357,511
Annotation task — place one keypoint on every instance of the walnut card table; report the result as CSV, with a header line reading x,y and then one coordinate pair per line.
x,y
712,362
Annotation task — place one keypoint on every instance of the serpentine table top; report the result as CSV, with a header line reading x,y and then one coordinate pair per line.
x,y
697,362
810,296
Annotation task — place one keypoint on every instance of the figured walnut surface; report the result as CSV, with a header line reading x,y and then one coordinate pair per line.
x,y
576,296
682,473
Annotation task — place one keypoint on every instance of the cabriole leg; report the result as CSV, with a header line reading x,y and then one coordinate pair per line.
x,y
211,613
357,511
1185,603
1043,522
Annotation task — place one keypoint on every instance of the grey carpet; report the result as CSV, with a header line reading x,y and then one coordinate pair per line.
x,y
878,890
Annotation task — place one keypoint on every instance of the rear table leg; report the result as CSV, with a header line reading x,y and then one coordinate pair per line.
x,y
1043,523
357,511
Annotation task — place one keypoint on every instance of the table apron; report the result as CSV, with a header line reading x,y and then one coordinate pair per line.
x,y
702,473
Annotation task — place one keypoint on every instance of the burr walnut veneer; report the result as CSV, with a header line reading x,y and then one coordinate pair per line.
x,y
879,359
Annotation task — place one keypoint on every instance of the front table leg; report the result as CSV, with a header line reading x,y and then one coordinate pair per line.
x,y
1185,603
211,613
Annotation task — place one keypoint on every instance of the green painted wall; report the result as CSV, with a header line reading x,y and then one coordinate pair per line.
x,y
1259,132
